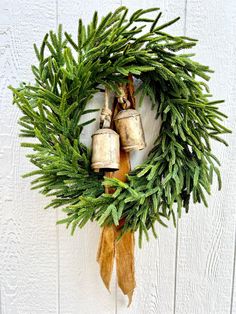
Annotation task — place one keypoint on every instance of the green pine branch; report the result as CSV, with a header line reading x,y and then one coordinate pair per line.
x,y
68,74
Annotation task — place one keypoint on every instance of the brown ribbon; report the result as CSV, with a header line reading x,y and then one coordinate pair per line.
x,y
122,250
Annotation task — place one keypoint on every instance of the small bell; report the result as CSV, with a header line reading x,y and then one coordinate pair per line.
x,y
105,150
129,126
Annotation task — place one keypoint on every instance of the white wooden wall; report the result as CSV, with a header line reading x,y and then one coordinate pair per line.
x,y
43,269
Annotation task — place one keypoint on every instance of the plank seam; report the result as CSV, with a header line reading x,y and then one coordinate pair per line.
x,y
1,311
56,3
116,284
57,217
176,264
177,225
58,268
233,276
185,16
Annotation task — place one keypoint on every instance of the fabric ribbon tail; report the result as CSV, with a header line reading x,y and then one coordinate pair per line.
x,y
124,254
106,254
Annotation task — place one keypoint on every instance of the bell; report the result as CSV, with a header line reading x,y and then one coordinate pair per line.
x,y
105,150
129,126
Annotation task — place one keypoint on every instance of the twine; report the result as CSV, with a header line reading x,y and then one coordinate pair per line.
x,y
106,113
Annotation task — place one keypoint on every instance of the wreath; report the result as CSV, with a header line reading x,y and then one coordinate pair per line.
x,y
105,54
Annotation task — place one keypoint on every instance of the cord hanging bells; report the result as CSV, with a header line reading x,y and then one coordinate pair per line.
x,y
105,143
129,126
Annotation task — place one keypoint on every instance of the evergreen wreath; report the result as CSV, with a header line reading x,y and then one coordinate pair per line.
x,y
181,163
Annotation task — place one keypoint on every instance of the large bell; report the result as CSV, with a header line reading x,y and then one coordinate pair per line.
x,y
105,150
129,126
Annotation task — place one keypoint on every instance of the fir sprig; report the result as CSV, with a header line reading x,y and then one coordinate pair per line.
x,y
70,71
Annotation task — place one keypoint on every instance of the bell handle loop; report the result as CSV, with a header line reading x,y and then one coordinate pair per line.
x,y
127,104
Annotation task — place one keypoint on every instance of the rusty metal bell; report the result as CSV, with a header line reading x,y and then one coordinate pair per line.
x,y
105,150
129,126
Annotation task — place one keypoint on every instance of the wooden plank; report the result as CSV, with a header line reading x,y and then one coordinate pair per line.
x,y
206,236
29,275
28,246
81,288
233,290
155,262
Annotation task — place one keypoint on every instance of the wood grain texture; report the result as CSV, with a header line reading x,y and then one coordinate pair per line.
x,y
28,250
206,236
45,270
